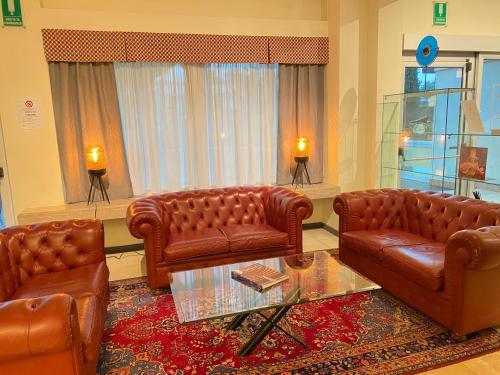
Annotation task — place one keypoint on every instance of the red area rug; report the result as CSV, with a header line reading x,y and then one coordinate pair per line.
x,y
368,333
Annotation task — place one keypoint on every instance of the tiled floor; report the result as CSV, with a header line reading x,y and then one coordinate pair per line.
x,y
133,264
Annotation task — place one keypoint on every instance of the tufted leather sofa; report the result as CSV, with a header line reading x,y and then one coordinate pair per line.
x,y
437,252
195,229
53,297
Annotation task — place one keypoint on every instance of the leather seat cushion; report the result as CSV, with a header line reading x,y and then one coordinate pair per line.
x,y
81,281
91,320
251,237
423,264
371,242
192,244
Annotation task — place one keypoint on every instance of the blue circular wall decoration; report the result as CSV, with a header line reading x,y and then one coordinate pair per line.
x,y
427,51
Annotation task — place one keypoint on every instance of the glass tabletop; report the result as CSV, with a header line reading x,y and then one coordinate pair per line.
x,y
211,293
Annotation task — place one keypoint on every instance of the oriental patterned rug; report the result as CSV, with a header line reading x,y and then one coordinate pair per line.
x,y
365,333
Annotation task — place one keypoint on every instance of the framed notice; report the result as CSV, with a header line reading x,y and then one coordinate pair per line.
x,y
473,162
30,113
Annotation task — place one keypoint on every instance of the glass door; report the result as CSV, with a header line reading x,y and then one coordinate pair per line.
x,y
488,99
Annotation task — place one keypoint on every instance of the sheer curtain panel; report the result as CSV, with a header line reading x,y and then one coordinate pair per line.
x,y
86,112
198,125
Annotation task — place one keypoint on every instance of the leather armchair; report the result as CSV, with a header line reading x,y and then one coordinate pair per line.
x,y
193,229
53,297
437,252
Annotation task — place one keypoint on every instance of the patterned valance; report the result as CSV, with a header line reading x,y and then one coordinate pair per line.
x,y
107,46
84,45
196,48
298,50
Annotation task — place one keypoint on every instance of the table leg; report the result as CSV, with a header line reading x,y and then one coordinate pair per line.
x,y
264,329
236,322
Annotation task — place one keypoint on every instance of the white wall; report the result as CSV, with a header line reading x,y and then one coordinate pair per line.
x,y
353,107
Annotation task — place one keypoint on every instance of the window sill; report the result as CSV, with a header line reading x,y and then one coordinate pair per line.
x,y
118,208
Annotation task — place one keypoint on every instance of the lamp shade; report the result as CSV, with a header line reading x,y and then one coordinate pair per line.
x,y
302,147
95,158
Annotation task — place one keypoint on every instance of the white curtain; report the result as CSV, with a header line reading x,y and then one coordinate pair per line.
x,y
191,126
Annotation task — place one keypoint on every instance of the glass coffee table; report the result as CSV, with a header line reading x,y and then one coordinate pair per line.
x,y
211,293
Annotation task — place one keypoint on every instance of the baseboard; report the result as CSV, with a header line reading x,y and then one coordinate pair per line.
x,y
140,246
124,248
308,226
320,225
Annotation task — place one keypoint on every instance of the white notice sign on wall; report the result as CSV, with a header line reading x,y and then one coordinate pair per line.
x,y
30,113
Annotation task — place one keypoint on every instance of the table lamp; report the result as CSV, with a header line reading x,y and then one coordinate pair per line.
x,y
96,166
301,158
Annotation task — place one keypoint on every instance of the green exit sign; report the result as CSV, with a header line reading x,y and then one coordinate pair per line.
x,y
11,13
440,10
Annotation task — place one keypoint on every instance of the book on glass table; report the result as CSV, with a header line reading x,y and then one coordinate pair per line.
x,y
258,276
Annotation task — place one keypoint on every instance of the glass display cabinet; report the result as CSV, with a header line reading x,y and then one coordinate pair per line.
x,y
427,144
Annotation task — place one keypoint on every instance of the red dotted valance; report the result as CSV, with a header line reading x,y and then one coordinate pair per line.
x,y
196,48
107,46
298,50
84,45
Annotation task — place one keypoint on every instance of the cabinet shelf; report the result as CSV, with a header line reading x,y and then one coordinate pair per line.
x,y
428,93
445,134
426,139
488,181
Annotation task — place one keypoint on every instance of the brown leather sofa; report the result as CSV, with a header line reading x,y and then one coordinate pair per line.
x,y
53,297
200,228
438,253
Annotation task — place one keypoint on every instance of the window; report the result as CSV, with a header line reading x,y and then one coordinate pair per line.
x,y
198,125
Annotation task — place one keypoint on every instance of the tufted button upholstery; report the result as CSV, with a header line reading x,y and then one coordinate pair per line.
x,y
52,247
174,225
44,269
438,252
186,212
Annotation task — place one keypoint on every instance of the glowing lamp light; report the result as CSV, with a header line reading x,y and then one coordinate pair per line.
x,y
95,158
405,135
302,147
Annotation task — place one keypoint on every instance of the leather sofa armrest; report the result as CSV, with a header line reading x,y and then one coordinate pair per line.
x,y
474,249
144,218
39,326
287,209
370,209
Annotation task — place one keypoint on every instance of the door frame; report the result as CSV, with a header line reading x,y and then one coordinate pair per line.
x,y
445,61
479,75
5,188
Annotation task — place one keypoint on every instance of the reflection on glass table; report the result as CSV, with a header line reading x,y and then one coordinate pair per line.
x,y
211,293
